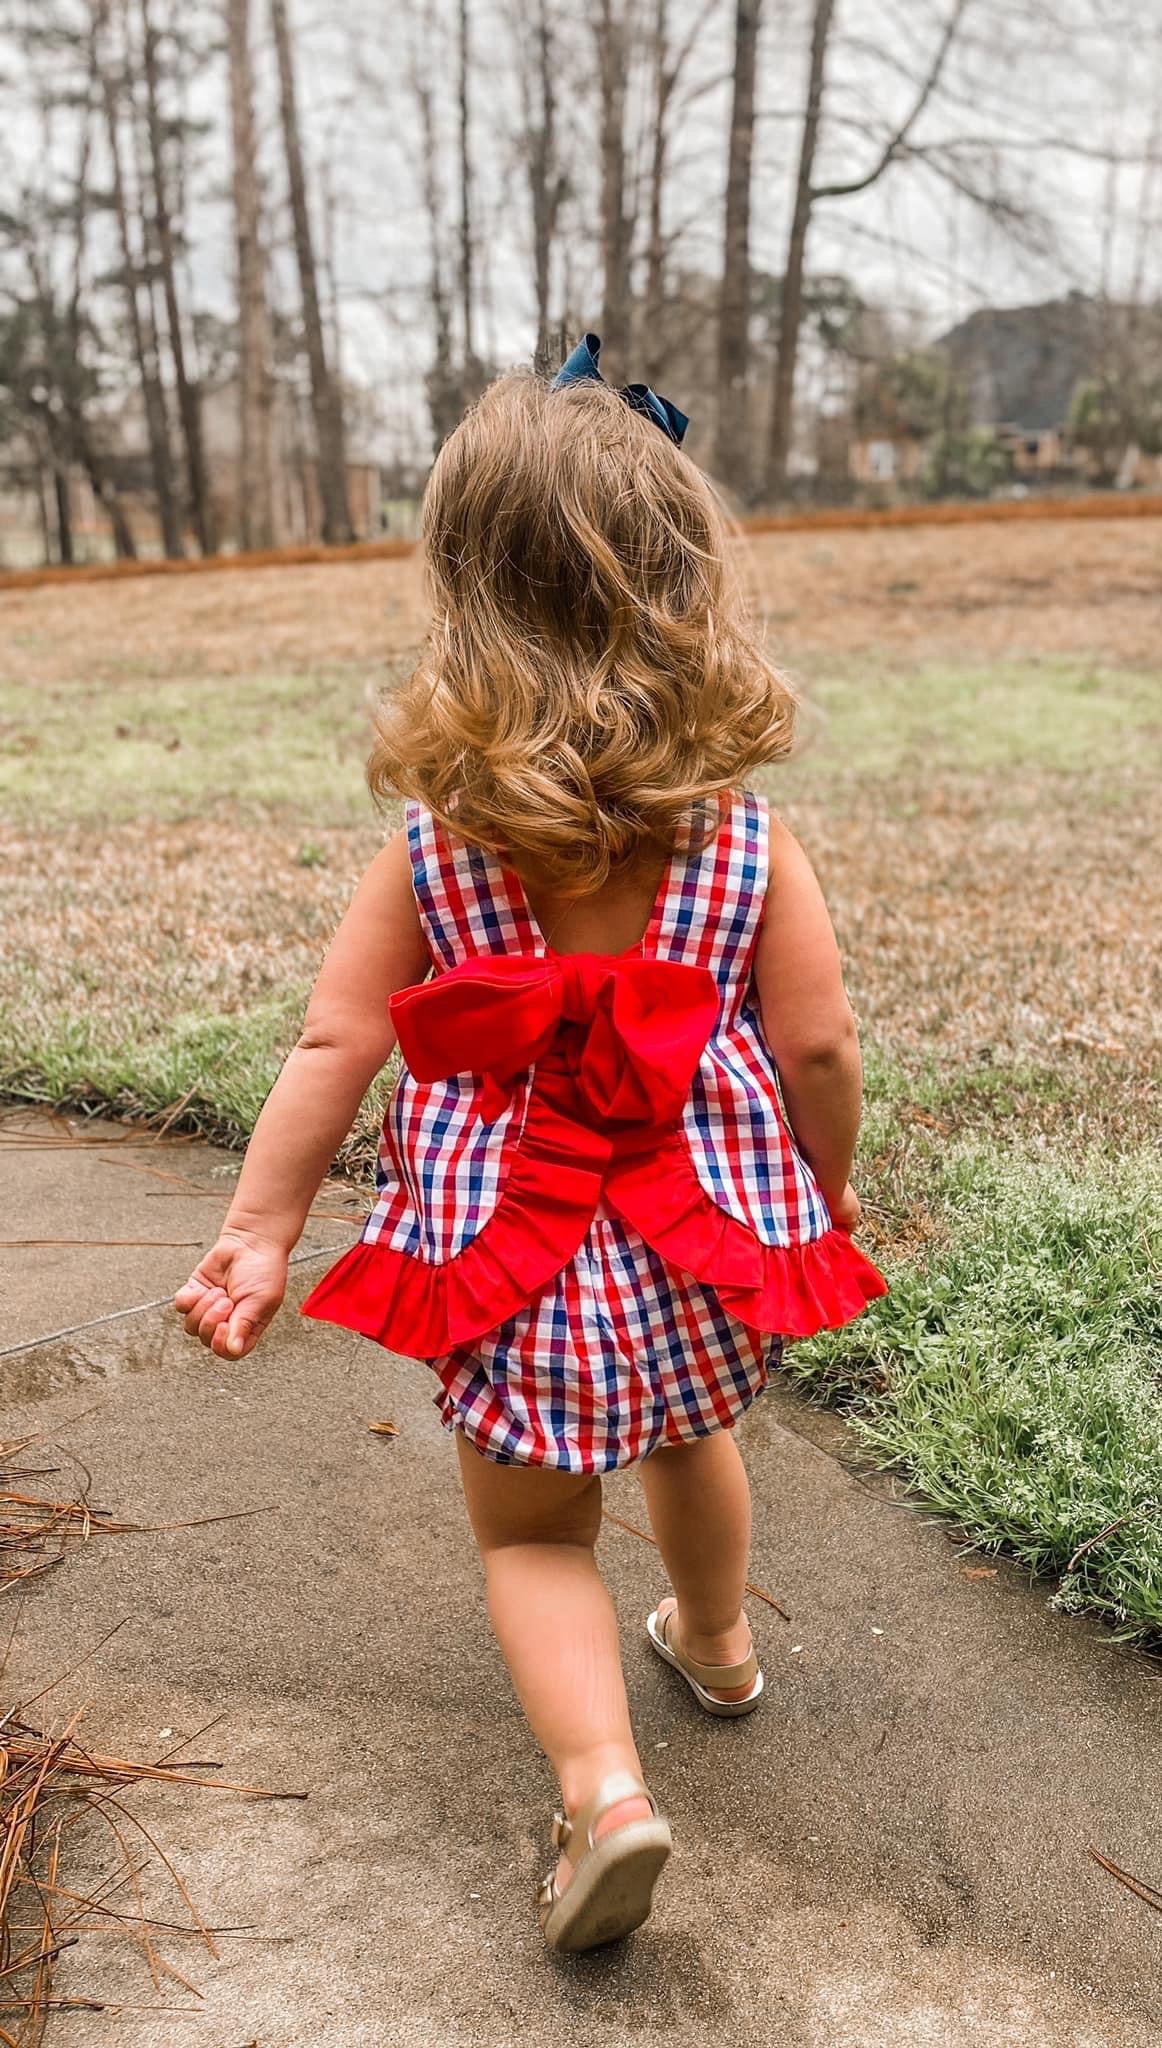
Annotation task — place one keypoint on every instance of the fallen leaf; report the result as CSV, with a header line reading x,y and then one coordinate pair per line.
x,y
979,1571
383,1428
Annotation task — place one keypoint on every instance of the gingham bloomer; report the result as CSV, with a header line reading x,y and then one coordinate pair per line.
x,y
592,1220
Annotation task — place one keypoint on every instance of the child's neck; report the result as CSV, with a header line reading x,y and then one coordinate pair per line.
x,y
613,920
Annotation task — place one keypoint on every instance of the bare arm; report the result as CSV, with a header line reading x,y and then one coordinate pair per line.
x,y
808,1022
346,1038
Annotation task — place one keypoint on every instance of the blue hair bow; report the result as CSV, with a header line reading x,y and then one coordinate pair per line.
x,y
581,368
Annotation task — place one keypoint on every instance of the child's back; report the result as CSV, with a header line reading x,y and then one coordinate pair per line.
x,y
605,964
591,1216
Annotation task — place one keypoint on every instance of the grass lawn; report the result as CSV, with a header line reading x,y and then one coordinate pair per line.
x,y
183,820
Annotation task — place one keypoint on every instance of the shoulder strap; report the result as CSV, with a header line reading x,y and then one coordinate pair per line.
x,y
714,901
465,904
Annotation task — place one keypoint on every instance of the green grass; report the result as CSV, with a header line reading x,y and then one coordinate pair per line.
x,y
1012,1375
222,1067
295,744
219,1067
1055,716
260,744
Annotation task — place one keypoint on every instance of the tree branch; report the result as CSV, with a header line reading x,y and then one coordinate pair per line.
x,y
897,143
1030,229
685,50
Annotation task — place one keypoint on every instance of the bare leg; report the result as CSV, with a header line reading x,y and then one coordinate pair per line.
x,y
698,1499
555,1622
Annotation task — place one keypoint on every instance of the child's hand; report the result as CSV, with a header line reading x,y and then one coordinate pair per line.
x,y
846,1211
233,1293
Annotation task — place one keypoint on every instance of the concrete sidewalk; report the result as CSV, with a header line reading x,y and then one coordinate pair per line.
x,y
894,1851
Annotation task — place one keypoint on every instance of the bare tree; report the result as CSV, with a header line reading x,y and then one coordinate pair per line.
x,y
188,396
77,383
74,386
463,131
30,399
444,384
653,352
733,442
114,78
668,62
610,27
538,149
807,195
49,381
113,75
255,471
326,399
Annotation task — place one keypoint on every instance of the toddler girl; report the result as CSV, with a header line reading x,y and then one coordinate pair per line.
x,y
603,963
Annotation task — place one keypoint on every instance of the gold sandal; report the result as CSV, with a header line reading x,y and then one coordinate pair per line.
x,y
724,1677
612,1886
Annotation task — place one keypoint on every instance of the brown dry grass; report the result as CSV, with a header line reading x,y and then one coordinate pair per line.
x,y
945,591
981,937
1009,968
966,592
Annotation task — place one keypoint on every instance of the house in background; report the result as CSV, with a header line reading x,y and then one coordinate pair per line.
x,y
1066,393
900,401
1027,371
1019,368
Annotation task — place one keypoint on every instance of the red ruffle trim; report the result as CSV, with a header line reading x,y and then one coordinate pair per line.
x,y
423,1310
792,1290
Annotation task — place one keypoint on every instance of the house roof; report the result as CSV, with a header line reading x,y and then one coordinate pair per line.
x,y
1020,365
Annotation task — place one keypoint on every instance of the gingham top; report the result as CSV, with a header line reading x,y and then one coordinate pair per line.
x,y
624,1344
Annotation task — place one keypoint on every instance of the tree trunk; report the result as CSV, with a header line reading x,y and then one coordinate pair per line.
x,y
64,509
791,308
612,57
326,402
144,342
466,251
653,354
544,182
43,471
189,397
104,489
81,444
255,469
442,383
732,453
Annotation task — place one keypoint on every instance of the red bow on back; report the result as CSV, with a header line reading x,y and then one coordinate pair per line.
x,y
643,1027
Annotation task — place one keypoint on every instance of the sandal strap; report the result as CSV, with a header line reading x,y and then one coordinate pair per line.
x,y
611,1791
720,1677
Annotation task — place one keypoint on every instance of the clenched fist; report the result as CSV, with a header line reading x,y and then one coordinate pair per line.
x,y
233,1293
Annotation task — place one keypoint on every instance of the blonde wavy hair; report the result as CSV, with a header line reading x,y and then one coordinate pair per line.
x,y
589,688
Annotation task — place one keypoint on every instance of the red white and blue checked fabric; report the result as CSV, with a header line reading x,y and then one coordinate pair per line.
x,y
620,1352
